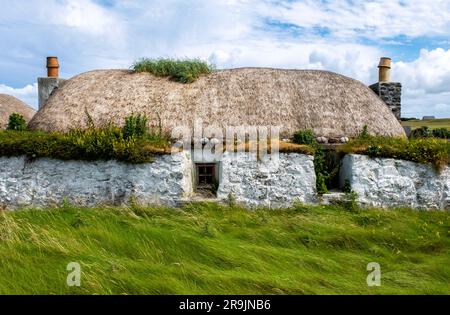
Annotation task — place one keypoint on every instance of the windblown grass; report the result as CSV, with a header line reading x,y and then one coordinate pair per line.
x,y
184,71
212,249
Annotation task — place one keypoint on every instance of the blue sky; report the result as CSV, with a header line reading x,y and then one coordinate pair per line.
x,y
347,37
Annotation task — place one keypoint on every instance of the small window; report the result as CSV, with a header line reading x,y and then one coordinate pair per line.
x,y
206,178
206,174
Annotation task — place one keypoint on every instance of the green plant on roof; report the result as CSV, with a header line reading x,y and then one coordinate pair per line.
x,y
135,125
180,70
364,133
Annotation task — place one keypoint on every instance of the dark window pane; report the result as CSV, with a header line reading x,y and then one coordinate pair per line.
x,y
205,173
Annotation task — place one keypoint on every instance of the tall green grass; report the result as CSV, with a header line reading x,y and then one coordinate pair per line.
x,y
133,143
206,248
181,70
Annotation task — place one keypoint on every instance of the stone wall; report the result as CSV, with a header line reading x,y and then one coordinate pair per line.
x,y
169,181
396,183
268,184
390,93
47,182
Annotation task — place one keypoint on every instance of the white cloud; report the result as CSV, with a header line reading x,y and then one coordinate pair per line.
x,y
27,94
230,33
431,71
427,104
89,18
82,33
356,61
84,16
426,83
374,19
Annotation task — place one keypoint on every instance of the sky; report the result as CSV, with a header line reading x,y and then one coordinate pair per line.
x,y
347,37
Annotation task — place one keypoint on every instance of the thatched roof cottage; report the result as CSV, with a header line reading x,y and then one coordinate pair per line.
x,y
330,104
8,105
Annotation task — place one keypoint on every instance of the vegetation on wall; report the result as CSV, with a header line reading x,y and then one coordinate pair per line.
x,y
267,146
304,137
207,248
184,71
323,166
426,132
421,150
426,149
132,144
135,142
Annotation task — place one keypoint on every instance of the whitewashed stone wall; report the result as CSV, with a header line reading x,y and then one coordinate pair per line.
x,y
396,183
169,180
47,182
267,184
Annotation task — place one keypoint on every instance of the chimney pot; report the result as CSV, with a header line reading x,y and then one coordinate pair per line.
x,y
52,67
384,69
47,85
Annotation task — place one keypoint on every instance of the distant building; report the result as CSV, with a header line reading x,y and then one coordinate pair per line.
x,y
428,117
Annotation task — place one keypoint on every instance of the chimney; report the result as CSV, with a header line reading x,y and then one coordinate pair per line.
x,y
52,67
389,92
47,85
384,70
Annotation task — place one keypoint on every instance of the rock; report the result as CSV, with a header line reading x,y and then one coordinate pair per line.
x,y
322,140
344,139
46,182
269,184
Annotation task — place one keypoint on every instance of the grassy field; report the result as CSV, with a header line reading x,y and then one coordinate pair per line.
x,y
433,123
206,248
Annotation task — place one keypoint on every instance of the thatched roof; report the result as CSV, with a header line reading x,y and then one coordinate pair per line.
x,y
8,105
330,104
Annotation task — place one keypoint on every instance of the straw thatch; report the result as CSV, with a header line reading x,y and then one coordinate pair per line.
x,y
330,104
8,105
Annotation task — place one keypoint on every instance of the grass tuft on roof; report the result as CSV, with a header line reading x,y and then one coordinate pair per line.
x,y
180,70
